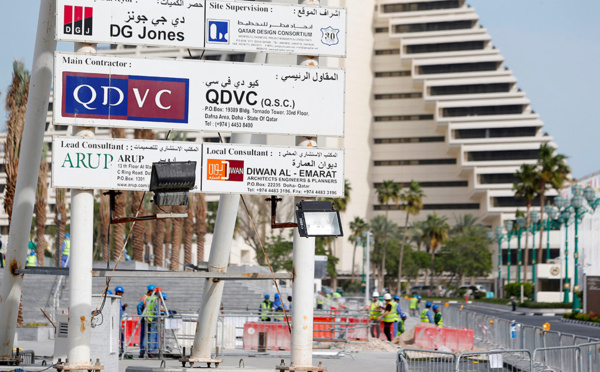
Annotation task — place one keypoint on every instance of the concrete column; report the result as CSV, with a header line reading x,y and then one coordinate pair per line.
x,y
29,165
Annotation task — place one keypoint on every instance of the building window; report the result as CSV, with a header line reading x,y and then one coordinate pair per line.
x,y
60,128
494,179
433,26
392,74
236,57
470,89
512,202
458,68
380,30
450,112
383,163
403,117
384,52
215,57
409,140
503,155
495,133
416,7
398,95
2,187
430,184
453,206
549,285
514,255
445,47
216,139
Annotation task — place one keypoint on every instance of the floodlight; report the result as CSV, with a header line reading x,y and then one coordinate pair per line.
x,y
172,181
318,218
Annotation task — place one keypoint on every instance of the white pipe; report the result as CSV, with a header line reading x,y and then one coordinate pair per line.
x,y
368,268
220,251
81,259
29,165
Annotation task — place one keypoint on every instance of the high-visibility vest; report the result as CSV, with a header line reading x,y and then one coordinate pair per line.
x,y
438,320
67,249
375,310
413,303
395,311
31,260
151,306
401,327
391,316
265,307
424,317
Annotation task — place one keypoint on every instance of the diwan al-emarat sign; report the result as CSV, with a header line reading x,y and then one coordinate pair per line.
x,y
211,24
107,91
123,164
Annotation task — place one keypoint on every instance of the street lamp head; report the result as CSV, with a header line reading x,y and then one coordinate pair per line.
x,y
560,202
577,189
499,231
490,234
509,225
589,194
535,217
552,212
521,222
577,201
565,215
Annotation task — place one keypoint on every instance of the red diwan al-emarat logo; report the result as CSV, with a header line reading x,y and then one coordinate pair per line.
x,y
225,170
78,20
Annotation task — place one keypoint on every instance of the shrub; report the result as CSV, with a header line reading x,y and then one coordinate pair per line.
x,y
546,305
514,289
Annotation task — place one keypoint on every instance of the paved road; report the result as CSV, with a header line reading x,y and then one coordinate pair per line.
x,y
521,316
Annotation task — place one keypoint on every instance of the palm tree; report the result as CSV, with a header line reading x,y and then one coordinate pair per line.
x,y
526,187
61,209
386,192
104,224
158,241
176,238
357,227
464,223
16,104
201,212
436,233
41,202
412,201
553,172
120,201
382,227
188,232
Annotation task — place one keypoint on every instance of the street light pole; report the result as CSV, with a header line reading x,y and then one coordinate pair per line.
x,y
509,227
520,225
535,218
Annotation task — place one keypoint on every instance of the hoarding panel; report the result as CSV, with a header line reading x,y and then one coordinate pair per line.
x,y
107,91
270,170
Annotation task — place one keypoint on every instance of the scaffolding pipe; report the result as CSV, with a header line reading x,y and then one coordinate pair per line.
x,y
29,165
81,259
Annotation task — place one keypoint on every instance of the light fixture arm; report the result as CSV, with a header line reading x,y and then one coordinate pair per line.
x,y
274,225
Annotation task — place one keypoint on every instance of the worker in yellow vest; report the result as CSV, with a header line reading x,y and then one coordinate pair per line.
x,y
389,316
427,314
32,259
437,318
413,305
374,311
66,251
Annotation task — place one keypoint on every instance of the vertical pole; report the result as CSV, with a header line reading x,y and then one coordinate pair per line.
x,y
548,227
519,255
368,268
81,258
508,262
364,257
533,263
566,283
29,164
500,258
576,302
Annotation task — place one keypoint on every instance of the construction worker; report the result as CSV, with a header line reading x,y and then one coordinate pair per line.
x,y
265,308
413,305
374,311
32,259
119,291
388,317
398,310
320,301
437,318
402,324
278,308
290,303
66,251
427,314
140,311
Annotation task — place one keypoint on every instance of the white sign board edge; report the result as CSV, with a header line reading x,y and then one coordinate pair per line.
x,y
137,17
230,16
323,104
272,170
135,171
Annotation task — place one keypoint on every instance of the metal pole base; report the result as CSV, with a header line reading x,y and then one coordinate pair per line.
x,y
192,360
291,367
16,361
60,366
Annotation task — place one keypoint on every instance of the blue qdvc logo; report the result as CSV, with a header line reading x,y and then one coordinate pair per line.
x,y
218,31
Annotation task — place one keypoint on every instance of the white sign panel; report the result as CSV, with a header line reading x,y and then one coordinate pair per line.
x,y
268,170
177,23
115,164
276,28
108,91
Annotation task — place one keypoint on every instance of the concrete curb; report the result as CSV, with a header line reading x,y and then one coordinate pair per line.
x,y
580,322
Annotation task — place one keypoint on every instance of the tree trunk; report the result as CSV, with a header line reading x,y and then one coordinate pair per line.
x,y
61,208
399,289
118,236
137,236
542,200
177,238
188,232
40,211
431,267
353,263
158,241
382,267
104,224
526,252
201,210
168,239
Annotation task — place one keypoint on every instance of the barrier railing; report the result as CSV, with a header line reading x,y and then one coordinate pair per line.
x,y
409,360
503,360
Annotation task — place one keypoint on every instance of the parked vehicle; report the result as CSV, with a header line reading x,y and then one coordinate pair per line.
x,y
476,291
428,290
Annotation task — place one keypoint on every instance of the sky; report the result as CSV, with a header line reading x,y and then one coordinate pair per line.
x,y
552,47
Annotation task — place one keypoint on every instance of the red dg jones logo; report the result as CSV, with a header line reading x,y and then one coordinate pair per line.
x,y
78,20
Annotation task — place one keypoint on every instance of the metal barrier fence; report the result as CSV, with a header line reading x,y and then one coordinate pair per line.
x,y
503,360
409,360
577,358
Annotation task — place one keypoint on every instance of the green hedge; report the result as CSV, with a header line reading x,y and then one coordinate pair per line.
x,y
591,317
546,305
514,289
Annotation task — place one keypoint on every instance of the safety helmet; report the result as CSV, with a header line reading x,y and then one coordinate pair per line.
x,y
151,287
387,297
67,235
164,295
435,307
276,295
396,297
32,253
403,315
158,289
375,294
266,295
419,297
119,289
428,304
108,292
